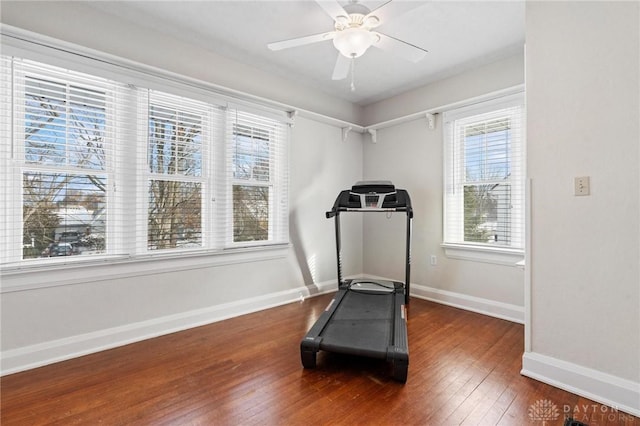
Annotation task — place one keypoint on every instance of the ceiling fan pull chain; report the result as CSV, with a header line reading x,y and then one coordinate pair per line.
x,y
353,65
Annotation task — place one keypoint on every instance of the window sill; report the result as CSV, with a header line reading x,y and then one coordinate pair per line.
x,y
476,253
33,276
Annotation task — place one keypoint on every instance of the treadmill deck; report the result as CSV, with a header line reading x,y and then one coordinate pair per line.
x,y
362,326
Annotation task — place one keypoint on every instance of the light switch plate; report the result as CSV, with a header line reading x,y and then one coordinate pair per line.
x,y
581,186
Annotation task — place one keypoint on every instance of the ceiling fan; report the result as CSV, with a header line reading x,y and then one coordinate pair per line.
x,y
353,34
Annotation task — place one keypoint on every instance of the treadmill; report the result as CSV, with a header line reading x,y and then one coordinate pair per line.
x,y
366,317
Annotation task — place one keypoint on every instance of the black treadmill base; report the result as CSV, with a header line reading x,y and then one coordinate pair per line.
x,y
399,371
308,359
362,324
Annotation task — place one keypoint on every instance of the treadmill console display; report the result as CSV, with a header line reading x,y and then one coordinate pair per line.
x,y
370,200
372,194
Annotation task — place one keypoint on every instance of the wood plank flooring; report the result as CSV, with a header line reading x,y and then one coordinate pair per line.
x,y
463,369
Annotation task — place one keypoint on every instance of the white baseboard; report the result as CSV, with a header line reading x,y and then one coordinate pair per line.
x,y
620,394
506,311
38,355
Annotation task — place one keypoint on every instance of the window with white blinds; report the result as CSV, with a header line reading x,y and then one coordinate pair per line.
x,y
178,132
484,174
257,179
58,161
94,167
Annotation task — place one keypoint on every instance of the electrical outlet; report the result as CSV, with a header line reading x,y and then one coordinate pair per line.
x,y
581,186
434,260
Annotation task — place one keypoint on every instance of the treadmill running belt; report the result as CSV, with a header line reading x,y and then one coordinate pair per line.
x,y
362,326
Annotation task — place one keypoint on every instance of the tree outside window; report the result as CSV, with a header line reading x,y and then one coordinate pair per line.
x,y
175,187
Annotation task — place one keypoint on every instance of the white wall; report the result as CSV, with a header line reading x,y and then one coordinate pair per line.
x,y
583,97
117,304
496,76
410,155
322,165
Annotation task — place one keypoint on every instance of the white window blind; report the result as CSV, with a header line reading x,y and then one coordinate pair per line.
x,y
484,174
59,161
93,168
257,179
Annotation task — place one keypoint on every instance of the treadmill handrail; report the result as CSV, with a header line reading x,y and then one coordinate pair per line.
x,y
333,213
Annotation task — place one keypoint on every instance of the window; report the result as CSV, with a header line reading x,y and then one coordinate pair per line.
x,y
61,146
97,167
176,176
484,175
257,166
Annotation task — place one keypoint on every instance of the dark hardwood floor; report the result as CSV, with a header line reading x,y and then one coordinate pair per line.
x,y
463,369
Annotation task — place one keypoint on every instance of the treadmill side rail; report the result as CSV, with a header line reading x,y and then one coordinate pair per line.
x,y
310,345
398,354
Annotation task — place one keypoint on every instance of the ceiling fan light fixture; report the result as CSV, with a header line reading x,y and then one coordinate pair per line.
x,y
353,42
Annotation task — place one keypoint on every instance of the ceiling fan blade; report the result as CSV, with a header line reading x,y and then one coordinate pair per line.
x,y
390,10
300,41
332,8
341,69
400,48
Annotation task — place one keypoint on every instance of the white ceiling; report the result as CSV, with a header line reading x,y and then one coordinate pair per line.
x,y
458,35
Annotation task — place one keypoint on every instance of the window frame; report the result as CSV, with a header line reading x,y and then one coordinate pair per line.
x,y
454,247
127,252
